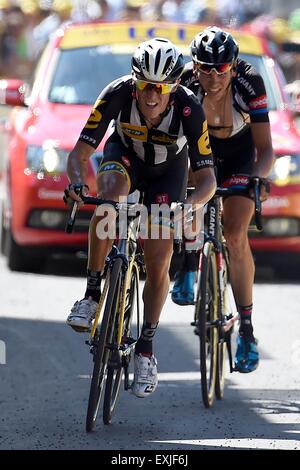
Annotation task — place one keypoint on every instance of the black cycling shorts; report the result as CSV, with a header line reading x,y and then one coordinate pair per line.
x,y
161,184
235,155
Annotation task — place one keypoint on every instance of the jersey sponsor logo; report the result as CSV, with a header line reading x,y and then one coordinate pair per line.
x,y
186,111
204,163
126,161
259,102
236,180
89,139
162,198
134,132
165,139
203,141
95,116
247,85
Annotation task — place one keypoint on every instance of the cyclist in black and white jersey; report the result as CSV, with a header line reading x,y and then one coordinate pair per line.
x,y
234,99
159,125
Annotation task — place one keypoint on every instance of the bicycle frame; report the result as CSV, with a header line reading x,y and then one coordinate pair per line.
x,y
214,234
126,249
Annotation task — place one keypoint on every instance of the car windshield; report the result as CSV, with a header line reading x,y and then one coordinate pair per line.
x,y
82,73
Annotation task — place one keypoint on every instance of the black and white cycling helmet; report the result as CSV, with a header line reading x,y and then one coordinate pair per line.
x,y
157,60
214,46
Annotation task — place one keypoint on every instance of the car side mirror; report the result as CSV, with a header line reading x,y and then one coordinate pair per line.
x,y
12,92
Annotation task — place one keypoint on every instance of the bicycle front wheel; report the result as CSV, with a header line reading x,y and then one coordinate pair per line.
x,y
206,316
102,352
114,375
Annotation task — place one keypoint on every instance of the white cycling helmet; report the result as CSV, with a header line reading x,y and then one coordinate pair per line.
x,y
157,60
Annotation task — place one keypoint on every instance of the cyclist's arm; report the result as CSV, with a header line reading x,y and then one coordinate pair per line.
x,y
78,161
261,134
106,108
201,161
205,186
257,104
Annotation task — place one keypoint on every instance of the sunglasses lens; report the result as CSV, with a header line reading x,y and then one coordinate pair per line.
x,y
141,85
218,68
223,68
162,88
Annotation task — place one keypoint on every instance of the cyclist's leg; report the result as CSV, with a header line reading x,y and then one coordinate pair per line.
x,y
165,187
237,215
238,159
158,254
184,280
113,181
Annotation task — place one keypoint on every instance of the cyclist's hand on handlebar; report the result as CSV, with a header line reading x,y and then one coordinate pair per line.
x,y
74,191
183,213
264,189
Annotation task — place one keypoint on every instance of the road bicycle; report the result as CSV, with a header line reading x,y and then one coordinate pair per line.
x,y
214,315
116,326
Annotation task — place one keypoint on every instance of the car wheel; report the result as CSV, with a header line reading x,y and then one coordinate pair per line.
x,y
19,258
3,237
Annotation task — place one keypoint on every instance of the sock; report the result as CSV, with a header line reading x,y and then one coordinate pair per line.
x,y
246,328
190,255
93,287
190,261
144,343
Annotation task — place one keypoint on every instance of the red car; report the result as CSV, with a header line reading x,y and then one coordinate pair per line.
x,y
46,121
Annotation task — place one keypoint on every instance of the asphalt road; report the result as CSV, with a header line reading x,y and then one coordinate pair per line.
x,y
45,378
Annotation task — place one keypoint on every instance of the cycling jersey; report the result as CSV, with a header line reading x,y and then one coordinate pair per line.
x,y
248,93
183,124
236,153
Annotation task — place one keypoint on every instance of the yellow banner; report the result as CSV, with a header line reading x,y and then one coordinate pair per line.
x,y
131,34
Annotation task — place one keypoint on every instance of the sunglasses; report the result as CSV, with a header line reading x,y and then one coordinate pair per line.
x,y
162,88
220,69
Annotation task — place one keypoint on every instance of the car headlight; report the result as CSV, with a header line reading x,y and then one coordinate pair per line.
x,y
280,227
286,170
47,158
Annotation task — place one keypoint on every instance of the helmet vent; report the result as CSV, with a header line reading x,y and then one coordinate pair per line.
x,y
147,61
167,64
157,61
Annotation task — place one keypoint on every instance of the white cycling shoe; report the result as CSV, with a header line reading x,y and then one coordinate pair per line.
x,y
82,314
145,375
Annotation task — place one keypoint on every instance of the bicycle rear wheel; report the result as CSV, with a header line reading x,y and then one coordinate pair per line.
x,y
102,353
206,316
114,375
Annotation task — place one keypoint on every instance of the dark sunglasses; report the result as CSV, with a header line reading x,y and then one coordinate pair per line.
x,y
220,69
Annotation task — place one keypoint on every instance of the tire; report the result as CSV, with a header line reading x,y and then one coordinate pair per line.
x,y
3,237
206,313
220,377
102,353
114,375
228,308
19,258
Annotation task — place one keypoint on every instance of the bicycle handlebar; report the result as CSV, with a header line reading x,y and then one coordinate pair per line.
x,y
95,201
90,200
